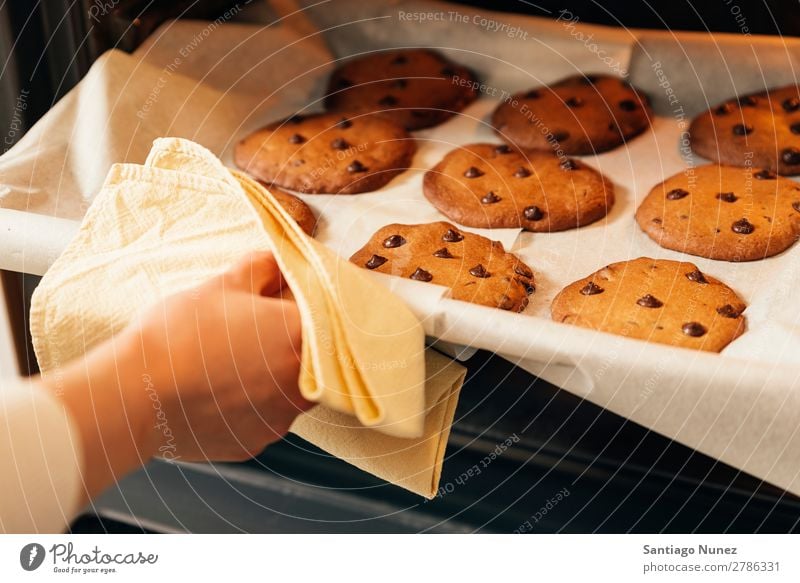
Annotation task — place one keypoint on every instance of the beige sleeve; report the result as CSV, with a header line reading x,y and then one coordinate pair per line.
x,y
40,457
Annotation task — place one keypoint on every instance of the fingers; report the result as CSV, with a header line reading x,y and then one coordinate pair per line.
x,y
256,273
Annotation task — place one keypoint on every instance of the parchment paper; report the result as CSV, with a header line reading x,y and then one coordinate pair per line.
x,y
742,406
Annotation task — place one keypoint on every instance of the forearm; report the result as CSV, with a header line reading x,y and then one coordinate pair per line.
x,y
105,396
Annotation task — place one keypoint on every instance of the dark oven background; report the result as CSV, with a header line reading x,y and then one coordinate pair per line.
x,y
573,467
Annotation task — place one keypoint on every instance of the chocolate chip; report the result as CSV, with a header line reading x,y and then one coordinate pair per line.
x,y
728,311
490,198
649,301
506,303
375,261
574,102
502,149
339,144
727,197
696,276
522,172
399,83
388,100
677,194
393,241
533,94
421,275
399,60
765,175
790,156
443,253
448,72
533,213
560,136
522,270
569,164
344,83
748,100
452,236
795,128
694,329
723,109
479,271
741,129
743,227
591,289
296,139
657,221
627,105
344,123
356,166
473,172
529,287
791,104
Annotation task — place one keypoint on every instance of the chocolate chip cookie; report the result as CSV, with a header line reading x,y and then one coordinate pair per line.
x,y
495,186
578,115
475,268
761,130
669,302
328,153
723,212
418,88
296,208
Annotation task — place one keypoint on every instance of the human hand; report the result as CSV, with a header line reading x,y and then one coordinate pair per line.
x,y
207,374
225,360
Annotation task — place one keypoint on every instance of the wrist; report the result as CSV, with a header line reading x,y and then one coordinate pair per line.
x,y
136,387
102,392
152,386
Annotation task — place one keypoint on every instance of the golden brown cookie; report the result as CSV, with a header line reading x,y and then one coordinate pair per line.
x,y
475,268
578,115
669,302
723,212
418,88
327,153
297,209
761,130
495,186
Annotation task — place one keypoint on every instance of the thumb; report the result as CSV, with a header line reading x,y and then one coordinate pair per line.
x,y
257,273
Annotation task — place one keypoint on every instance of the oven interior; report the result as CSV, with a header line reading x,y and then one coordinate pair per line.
x,y
573,466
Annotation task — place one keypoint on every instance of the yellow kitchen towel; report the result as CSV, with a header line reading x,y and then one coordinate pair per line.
x,y
414,464
183,217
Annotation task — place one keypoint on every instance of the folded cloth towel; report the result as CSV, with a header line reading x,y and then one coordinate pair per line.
x,y
183,217
414,464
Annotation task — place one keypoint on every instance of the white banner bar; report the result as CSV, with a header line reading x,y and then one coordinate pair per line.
x,y
402,558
